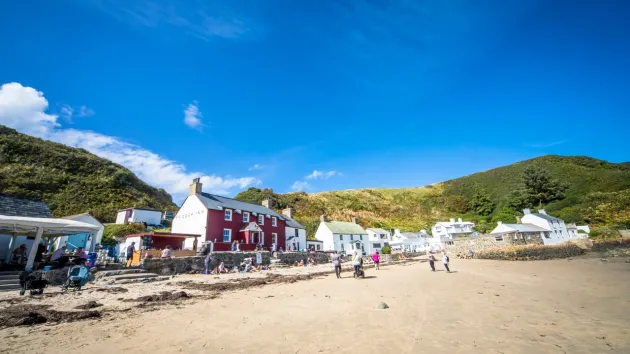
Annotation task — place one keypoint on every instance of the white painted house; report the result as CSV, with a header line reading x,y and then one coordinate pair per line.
x,y
342,236
553,230
410,241
377,239
148,216
452,229
522,230
82,240
295,233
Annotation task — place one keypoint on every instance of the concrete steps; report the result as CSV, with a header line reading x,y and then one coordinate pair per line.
x,y
127,276
9,281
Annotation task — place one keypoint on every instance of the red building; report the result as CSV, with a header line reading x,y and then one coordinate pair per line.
x,y
224,220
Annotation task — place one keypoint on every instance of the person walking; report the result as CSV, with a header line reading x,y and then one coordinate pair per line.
x,y
356,261
445,261
336,261
376,258
431,259
130,250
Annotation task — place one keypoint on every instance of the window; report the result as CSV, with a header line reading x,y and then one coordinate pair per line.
x,y
498,238
228,215
351,237
383,237
274,238
319,247
340,237
245,217
274,221
376,245
227,235
261,219
361,237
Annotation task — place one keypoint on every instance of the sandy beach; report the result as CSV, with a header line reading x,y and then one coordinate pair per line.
x,y
561,306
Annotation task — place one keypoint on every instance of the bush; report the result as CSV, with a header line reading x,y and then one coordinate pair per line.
x,y
386,249
114,232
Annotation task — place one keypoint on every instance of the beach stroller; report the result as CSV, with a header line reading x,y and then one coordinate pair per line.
x,y
33,282
77,277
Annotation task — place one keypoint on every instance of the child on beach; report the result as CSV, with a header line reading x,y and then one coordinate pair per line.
x,y
445,261
431,259
376,259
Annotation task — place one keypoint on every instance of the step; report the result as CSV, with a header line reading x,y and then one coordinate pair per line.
x,y
116,278
113,273
9,277
9,287
9,281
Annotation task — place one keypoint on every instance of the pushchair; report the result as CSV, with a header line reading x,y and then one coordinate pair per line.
x,y
77,277
360,273
33,282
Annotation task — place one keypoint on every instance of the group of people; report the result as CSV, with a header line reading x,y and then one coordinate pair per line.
x,y
59,256
445,261
357,262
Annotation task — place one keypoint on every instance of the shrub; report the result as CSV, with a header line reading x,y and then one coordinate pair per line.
x,y
386,249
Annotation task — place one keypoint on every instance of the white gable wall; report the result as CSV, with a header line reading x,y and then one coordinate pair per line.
x,y
192,218
120,217
324,234
299,241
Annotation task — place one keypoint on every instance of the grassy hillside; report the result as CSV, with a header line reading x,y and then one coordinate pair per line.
x,y
71,180
597,192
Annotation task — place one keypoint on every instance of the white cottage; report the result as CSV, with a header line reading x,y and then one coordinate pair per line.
x,y
410,241
295,233
452,229
552,229
148,216
377,239
342,236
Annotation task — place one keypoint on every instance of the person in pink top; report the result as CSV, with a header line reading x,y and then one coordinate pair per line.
x,y
376,259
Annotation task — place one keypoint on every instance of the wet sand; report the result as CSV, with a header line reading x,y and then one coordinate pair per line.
x,y
560,306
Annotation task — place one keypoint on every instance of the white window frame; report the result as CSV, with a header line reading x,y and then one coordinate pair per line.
x,y
274,238
274,221
245,216
230,235
261,219
226,213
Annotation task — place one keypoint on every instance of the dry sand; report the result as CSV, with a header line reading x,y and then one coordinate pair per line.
x,y
570,306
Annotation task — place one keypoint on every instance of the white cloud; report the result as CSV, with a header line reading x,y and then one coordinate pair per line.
x,y
69,112
322,175
23,108
300,186
192,116
256,167
546,145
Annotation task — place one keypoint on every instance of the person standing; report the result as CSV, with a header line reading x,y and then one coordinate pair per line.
x,y
431,259
356,262
233,246
206,263
336,261
471,253
376,258
238,246
130,251
445,261
167,252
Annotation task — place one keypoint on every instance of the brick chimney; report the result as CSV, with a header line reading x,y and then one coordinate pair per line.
x,y
355,220
322,218
288,212
195,187
518,219
267,203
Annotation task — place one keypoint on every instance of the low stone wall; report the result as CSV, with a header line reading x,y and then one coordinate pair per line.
x,y
181,265
531,253
293,257
490,242
611,244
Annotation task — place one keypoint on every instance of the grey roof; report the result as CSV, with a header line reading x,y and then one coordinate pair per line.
x,y
14,206
217,202
412,234
525,227
547,217
377,231
345,228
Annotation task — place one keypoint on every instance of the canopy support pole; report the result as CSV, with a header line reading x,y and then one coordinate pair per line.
x,y
33,252
11,247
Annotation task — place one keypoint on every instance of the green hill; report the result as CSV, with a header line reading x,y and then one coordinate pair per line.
x,y
595,191
71,180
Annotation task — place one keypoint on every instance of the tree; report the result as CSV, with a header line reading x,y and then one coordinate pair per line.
x,y
456,204
518,200
481,203
540,187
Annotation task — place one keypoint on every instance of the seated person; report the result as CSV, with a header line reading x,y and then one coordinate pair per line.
x,y
221,268
19,254
311,262
166,253
56,256
301,264
81,256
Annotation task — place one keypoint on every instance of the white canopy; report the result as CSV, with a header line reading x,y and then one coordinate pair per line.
x,y
63,226
43,226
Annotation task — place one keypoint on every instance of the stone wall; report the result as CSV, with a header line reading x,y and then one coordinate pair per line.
x,y
532,252
181,265
486,242
293,257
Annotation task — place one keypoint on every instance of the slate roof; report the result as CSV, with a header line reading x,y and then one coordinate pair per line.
x,y
525,227
345,228
378,231
547,217
217,202
413,234
14,206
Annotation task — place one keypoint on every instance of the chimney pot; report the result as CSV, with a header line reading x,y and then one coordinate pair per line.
x,y
322,218
195,186
288,212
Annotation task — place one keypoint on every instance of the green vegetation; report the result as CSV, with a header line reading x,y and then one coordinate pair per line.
x,y
386,249
578,189
113,233
71,180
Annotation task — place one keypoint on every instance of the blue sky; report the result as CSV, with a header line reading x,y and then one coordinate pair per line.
x,y
318,95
